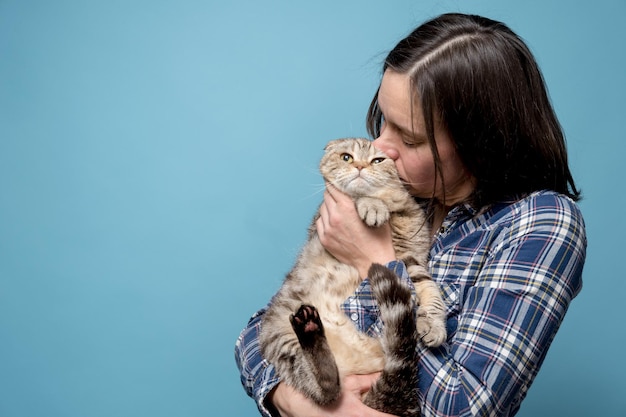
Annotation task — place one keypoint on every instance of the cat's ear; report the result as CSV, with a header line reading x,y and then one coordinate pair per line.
x,y
331,145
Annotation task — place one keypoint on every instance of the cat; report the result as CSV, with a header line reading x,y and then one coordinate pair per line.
x,y
310,340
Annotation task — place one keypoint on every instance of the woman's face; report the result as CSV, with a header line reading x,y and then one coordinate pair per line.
x,y
403,138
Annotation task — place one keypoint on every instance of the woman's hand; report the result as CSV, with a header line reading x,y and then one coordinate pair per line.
x,y
348,238
291,403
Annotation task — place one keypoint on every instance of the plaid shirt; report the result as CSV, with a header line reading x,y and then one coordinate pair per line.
x,y
507,277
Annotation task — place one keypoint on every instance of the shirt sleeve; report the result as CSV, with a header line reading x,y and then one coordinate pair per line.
x,y
258,376
508,316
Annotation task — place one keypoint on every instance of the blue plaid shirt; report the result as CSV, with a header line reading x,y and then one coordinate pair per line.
x,y
507,276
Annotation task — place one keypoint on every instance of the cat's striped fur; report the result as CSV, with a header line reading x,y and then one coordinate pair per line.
x,y
304,333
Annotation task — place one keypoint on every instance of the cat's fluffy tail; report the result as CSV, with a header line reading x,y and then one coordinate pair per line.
x,y
395,392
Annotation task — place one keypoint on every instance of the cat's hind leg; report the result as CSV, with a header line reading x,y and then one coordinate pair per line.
x,y
395,391
309,329
293,339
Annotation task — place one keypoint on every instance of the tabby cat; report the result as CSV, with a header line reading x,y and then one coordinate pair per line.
x,y
305,334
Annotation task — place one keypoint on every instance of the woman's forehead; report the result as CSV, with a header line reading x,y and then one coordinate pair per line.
x,y
396,101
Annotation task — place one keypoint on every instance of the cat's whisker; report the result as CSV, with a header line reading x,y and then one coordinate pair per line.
x,y
318,191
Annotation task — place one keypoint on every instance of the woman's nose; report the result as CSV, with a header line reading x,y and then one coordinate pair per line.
x,y
386,147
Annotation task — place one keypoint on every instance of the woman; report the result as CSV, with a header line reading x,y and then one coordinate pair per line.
x,y
463,111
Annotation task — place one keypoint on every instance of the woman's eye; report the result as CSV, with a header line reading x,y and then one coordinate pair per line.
x,y
346,157
412,142
377,160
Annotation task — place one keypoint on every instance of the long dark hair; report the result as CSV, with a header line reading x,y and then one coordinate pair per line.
x,y
480,81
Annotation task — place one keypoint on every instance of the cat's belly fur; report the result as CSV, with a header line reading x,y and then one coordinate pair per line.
x,y
354,351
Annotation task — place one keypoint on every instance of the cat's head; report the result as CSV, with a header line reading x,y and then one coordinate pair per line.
x,y
356,167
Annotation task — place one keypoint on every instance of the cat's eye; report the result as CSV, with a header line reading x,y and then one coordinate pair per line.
x,y
346,157
377,160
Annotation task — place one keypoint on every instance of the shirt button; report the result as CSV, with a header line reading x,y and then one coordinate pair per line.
x,y
354,316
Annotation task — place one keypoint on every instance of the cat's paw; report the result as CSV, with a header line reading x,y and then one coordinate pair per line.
x,y
431,328
373,211
307,325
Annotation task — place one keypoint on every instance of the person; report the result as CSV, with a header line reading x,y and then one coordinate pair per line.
x,y
463,110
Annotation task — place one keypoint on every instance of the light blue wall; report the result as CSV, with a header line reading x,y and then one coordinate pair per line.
x,y
158,172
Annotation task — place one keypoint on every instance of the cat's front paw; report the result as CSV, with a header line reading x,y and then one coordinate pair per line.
x,y
307,325
431,328
373,211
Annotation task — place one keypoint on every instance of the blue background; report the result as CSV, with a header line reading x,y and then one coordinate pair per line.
x,y
158,169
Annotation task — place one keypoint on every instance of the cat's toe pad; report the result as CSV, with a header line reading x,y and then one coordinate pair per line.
x,y
306,320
